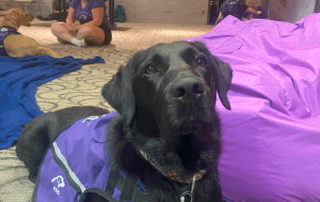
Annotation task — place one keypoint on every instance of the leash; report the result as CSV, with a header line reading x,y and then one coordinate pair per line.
x,y
188,193
130,191
173,175
128,187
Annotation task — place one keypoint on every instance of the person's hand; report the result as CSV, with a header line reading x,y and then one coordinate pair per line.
x,y
72,28
259,12
69,22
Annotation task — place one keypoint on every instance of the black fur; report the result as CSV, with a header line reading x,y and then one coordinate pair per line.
x,y
170,115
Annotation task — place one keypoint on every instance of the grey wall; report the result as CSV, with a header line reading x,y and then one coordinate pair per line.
x,y
291,10
166,11
31,8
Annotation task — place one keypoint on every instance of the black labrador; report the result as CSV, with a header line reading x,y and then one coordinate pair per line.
x,y
168,131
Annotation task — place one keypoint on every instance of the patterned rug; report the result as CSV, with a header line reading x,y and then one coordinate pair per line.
x,y
82,88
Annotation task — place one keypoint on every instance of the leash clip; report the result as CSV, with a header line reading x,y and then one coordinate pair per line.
x,y
188,193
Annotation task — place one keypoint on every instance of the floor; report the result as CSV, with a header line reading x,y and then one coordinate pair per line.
x,y
83,87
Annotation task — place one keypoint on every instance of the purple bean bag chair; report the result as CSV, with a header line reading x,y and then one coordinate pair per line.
x,y
271,136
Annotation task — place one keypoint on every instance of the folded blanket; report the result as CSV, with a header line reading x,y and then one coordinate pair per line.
x,y
271,136
19,79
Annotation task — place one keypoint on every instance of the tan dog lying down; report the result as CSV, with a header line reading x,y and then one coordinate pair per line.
x,y
16,44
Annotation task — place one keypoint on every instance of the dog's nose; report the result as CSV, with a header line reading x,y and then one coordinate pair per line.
x,y
187,87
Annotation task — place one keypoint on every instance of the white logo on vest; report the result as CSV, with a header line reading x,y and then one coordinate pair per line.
x,y
4,29
91,118
60,182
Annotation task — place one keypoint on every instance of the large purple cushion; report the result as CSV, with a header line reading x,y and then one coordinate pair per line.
x,y
271,136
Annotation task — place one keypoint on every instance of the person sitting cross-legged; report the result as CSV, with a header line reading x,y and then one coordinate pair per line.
x,y
94,28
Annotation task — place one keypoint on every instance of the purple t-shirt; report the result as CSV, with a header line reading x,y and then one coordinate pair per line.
x,y
84,15
263,15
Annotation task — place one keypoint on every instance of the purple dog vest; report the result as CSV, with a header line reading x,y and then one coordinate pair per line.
x,y
4,32
76,164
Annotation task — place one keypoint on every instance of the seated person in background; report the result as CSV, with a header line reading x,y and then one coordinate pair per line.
x,y
9,11
94,28
55,12
237,8
254,5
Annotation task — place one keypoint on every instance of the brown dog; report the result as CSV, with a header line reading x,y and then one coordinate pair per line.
x,y
16,44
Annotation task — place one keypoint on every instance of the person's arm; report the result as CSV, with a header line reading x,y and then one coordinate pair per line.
x,y
218,19
252,11
71,16
97,14
9,11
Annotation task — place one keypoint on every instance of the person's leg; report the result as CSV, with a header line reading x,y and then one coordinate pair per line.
x,y
92,35
61,31
52,16
108,36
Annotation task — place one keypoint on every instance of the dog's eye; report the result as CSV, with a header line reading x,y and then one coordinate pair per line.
x,y
151,70
201,61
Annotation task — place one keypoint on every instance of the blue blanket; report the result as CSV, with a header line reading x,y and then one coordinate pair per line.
x,y
19,79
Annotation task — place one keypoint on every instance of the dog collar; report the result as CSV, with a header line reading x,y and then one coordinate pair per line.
x,y
15,24
173,175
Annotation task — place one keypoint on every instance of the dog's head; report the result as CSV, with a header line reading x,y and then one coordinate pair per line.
x,y
166,96
17,18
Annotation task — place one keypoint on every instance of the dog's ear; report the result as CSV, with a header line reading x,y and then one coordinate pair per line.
x,y
224,77
23,18
223,72
119,93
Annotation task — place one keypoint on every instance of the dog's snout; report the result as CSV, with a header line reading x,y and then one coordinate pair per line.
x,y
187,87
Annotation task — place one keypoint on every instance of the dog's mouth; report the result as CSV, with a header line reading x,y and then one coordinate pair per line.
x,y
192,126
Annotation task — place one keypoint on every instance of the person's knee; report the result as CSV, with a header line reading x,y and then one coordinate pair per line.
x,y
54,27
57,26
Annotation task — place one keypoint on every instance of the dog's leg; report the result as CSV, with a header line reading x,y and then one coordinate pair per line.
x,y
32,144
35,52
46,51
20,46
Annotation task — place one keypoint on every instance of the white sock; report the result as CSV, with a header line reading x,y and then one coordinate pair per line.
x,y
76,42
82,42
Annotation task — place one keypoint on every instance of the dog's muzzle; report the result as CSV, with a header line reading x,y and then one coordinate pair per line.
x,y
192,126
187,88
